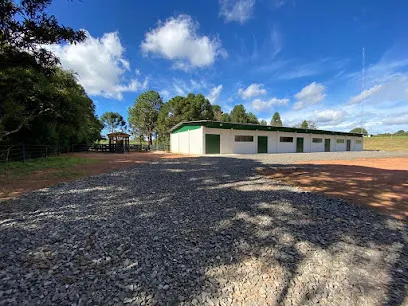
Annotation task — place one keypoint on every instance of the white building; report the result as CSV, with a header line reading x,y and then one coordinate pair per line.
x,y
213,137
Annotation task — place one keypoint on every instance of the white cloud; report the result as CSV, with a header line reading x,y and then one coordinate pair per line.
x,y
309,95
100,65
366,94
329,116
236,10
251,91
214,94
396,119
177,40
261,105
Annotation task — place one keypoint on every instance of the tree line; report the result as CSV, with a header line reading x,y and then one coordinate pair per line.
x,y
40,103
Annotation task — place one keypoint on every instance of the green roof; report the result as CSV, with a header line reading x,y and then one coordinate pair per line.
x,y
253,127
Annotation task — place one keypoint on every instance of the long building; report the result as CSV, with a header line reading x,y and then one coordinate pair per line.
x,y
214,137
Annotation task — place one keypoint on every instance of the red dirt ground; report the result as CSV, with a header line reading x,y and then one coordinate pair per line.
x,y
13,187
380,183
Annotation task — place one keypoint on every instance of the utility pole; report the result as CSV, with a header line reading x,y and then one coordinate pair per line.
x,y
362,90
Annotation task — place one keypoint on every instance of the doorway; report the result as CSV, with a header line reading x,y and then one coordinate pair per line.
x,y
348,145
212,144
262,144
327,145
299,145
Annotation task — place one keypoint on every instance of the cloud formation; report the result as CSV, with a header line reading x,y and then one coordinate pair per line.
x,y
252,91
329,116
214,94
365,94
310,95
236,10
100,65
177,39
261,105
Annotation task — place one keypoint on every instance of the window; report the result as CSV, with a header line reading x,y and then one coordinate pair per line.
x,y
317,140
340,141
242,138
286,139
358,141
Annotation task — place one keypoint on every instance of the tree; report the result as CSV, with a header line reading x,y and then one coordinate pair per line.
x,y
52,109
27,27
217,112
112,121
178,109
276,120
251,118
359,130
306,124
238,114
144,113
263,122
226,117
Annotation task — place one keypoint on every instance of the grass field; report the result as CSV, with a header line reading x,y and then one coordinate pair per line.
x,y
394,143
61,166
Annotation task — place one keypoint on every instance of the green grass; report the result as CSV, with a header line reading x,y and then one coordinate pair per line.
x,y
20,169
386,143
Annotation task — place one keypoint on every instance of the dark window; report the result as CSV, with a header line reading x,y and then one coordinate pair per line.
x,y
340,140
317,140
242,138
286,139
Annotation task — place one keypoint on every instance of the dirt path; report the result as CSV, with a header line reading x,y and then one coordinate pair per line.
x,y
106,162
379,183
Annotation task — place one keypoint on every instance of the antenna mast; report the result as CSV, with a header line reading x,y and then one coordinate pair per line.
x,y
362,90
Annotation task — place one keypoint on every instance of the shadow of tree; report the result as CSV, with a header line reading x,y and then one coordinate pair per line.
x,y
198,231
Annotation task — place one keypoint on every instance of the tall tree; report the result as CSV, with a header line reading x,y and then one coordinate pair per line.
x,y
263,122
144,113
178,109
276,120
112,121
238,114
360,130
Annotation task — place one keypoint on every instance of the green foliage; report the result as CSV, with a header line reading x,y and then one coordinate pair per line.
x,y
359,130
144,114
276,120
217,112
112,121
239,115
306,124
226,117
45,109
26,26
178,109
263,122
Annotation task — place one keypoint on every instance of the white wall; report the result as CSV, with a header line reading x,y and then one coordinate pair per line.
x,y
225,139
286,147
317,146
188,142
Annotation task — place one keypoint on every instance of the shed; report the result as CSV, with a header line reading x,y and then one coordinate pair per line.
x,y
215,137
118,142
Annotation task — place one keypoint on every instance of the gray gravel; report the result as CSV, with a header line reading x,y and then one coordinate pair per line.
x,y
197,231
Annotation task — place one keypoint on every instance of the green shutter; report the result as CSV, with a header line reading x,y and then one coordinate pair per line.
x,y
212,144
299,145
262,144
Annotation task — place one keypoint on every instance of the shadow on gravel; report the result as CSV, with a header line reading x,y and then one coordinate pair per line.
x,y
197,231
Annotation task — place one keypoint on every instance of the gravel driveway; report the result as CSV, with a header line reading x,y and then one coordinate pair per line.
x,y
197,231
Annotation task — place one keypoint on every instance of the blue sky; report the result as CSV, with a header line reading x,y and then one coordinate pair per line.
x,y
301,58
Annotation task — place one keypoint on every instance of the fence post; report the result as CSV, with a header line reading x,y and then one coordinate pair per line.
x,y
23,152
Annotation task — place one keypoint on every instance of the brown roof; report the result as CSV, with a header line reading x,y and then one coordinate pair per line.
x,y
116,134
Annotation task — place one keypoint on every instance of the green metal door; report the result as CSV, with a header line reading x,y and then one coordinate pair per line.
x,y
212,144
327,145
348,145
262,144
299,145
